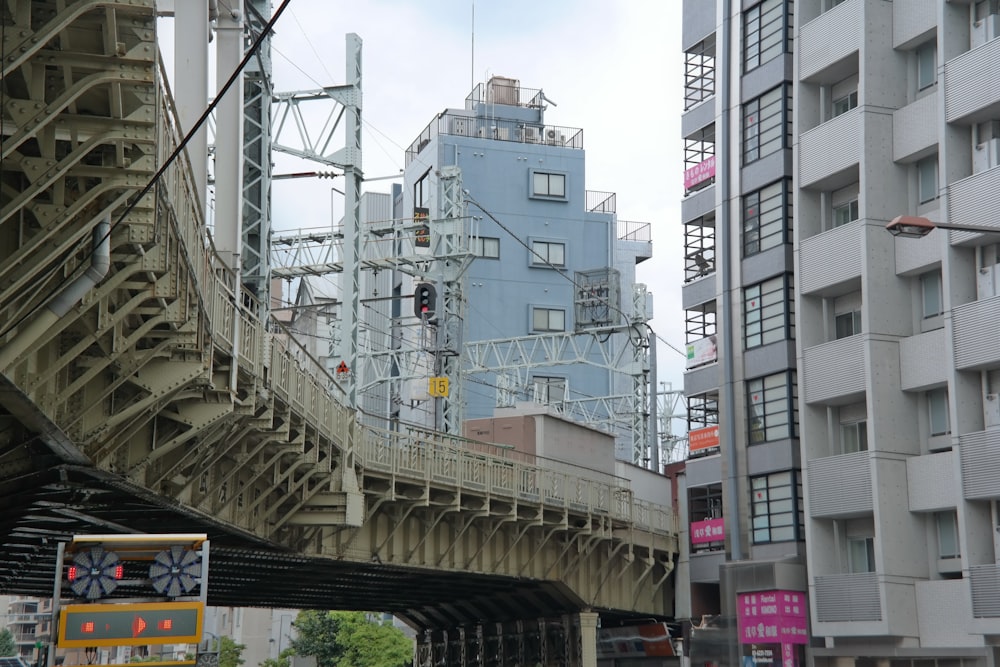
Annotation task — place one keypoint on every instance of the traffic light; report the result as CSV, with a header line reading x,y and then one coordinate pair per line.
x,y
424,300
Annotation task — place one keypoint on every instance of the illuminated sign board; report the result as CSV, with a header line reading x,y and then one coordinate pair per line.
x,y
82,625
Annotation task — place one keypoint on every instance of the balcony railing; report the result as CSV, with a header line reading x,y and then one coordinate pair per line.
x,y
497,129
629,230
984,583
848,597
601,202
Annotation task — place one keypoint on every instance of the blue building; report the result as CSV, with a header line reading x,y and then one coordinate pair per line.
x,y
550,255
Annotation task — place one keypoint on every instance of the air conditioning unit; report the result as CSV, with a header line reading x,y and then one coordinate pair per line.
x,y
991,410
553,137
530,134
984,30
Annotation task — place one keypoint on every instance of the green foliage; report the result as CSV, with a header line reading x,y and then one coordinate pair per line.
x,y
230,653
284,659
7,645
349,639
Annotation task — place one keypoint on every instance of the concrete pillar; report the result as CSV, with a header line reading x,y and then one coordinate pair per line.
x,y
588,639
191,86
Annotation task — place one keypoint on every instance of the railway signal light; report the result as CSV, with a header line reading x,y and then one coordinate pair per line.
x,y
424,301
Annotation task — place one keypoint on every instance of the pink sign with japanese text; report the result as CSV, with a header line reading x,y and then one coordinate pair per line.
x,y
699,173
773,617
709,530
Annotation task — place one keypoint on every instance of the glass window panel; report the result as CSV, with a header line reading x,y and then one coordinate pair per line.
x,y
927,180
937,404
926,66
541,186
930,285
947,530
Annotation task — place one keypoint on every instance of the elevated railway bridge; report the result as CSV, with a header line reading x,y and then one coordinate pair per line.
x,y
143,390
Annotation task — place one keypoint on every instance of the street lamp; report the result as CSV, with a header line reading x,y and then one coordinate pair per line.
x,y
915,227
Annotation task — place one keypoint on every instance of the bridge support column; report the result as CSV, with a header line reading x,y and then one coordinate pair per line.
x,y
588,639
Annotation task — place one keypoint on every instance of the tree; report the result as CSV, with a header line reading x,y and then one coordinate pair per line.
x,y
230,653
284,659
349,639
7,645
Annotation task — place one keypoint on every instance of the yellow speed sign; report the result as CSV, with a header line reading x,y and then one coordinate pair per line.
x,y
437,386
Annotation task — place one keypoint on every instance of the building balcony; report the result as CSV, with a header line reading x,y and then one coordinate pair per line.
x,y
984,584
974,327
833,373
979,453
970,197
840,486
829,149
971,93
704,566
930,482
828,40
698,203
702,379
699,291
921,363
831,258
847,597
915,127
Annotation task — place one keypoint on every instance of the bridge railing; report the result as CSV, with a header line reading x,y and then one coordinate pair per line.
x,y
233,313
451,462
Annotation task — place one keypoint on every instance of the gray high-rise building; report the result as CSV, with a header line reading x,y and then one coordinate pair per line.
x,y
856,379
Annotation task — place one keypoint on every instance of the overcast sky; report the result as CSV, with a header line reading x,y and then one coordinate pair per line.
x,y
612,67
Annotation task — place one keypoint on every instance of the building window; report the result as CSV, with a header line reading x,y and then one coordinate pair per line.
x,y
765,32
854,437
766,217
705,513
768,312
772,407
931,294
848,324
861,554
766,124
548,389
486,246
548,253
844,104
422,191
845,213
927,180
548,185
926,65
937,409
548,319
947,534
774,507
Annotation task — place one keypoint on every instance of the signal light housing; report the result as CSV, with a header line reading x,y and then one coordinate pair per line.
x,y
424,301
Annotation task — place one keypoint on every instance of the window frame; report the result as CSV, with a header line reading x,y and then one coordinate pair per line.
x,y
549,311
758,208
860,430
550,382
927,180
774,311
931,294
422,191
937,409
547,193
759,130
867,546
851,99
772,496
853,213
479,246
759,24
926,79
540,254
952,520
855,322
777,396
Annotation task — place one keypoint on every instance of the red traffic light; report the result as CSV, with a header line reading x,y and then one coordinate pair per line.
x,y
424,300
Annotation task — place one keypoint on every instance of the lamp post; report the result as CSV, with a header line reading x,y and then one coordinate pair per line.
x,y
915,227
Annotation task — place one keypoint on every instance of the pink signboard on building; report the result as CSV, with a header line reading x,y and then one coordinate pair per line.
x,y
699,173
772,617
709,530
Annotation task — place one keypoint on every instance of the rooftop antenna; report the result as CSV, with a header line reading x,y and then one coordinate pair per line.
x,y
472,69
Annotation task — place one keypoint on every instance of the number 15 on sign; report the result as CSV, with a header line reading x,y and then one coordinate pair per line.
x,y
437,386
